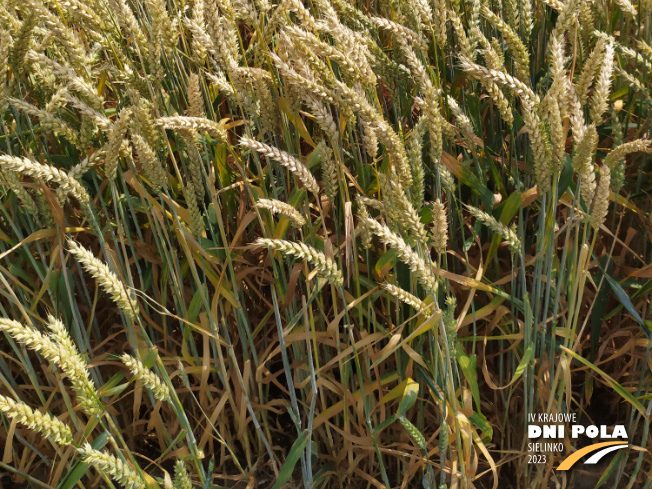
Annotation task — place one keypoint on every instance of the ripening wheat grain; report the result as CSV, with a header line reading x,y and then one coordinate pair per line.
x,y
279,207
290,162
508,234
61,352
108,280
326,267
46,424
48,173
147,377
420,267
112,466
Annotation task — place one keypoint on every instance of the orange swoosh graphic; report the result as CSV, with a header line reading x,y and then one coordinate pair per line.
x,y
569,461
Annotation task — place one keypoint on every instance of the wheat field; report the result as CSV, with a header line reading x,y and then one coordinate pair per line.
x,y
334,244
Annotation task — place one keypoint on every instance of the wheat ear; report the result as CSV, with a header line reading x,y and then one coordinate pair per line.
x,y
600,98
46,424
421,269
326,267
150,163
600,205
440,228
624,149
108,280
288,161
74,366
406,297
67,359
147,377
283,208
118,132
193,124
181,478
508,234
46,172
112,466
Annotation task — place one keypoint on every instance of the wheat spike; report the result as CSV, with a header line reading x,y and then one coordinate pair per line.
x,y
181,478
283,208
583,162
600,205
600,98
421,269
290,162
108,280
440,227
407,215
147,377
589,69
63,354
118,132
624,149
46,424
150,163
364,232
326,267
193,124
408,298
46,172
112,466
413,432
518,49
195,97
508,234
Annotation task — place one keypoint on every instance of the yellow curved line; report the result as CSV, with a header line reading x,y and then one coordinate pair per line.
x,y
569,461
